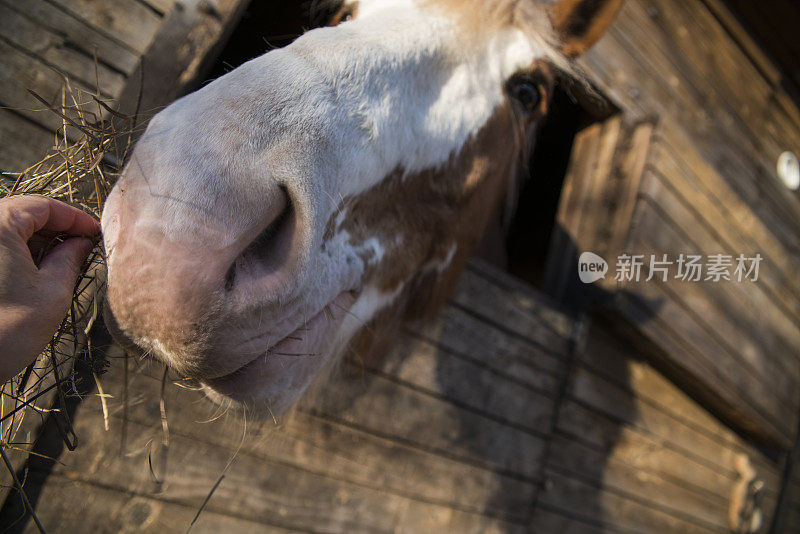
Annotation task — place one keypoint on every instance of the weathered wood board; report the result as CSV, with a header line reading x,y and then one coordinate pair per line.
x,y
688,167
453,432
733,344
105,49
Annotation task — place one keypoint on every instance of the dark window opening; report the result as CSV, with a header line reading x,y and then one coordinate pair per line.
x,y
531,230
268,25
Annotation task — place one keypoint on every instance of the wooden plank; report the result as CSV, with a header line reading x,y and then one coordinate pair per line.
x,y
578,182
364,394
465,384
793,521
773,27
756,54
188,40
407,449
617,410
184,494
725,71
623,410
619,364
77,33
725,401
315,447
686,35
630,173
418,519
699,320
125,21
773,330
470,482
688,59
715,204
160,6
15,156
54,50
386,410
599,185
547,520
330,449
590,193
638,76
588,501
613,470
597,203
653,461
19,72
77,506
740,399
524,313
516,358
559,271
522,295
683,462
364,459
746,211
253,489
756,331
646,468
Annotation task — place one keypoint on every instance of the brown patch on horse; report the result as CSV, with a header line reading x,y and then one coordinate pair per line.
x,y
347,11
492,15
452,206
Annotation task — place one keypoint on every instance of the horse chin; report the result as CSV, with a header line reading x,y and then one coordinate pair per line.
x,y
273,381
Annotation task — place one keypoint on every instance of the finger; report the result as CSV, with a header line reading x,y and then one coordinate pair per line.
x,y
25,215
69,220
63,264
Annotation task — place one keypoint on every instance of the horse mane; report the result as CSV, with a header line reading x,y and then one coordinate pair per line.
x,y
482,18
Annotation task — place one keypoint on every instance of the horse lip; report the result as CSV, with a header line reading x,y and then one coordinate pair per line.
x,y
243,368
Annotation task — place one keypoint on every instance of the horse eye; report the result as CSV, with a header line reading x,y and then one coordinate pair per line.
x,y
344,14
526,92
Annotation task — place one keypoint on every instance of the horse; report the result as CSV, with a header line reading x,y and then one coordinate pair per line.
x,y
293,210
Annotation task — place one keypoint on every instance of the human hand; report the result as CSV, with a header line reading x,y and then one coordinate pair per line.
x,y
36,281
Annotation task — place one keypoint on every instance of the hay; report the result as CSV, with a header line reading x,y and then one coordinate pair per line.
x,y
79,170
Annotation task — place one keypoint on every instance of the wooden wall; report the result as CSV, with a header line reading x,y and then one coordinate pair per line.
x,y
139,45
470,424
774,25
42,39
689,167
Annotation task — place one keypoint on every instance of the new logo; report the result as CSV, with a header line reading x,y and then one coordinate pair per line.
x,y
591,267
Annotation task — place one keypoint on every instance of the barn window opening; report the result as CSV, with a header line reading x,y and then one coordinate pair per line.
x,y
265,26
530,234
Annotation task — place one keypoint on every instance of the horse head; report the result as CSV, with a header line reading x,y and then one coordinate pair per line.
x,y
282,214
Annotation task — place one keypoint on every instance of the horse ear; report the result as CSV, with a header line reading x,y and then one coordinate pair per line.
x,y
580,23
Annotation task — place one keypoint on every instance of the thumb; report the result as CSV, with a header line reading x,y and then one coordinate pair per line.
x,y
63,264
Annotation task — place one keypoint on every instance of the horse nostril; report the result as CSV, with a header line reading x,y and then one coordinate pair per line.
x,y
270,248
262,245
230,277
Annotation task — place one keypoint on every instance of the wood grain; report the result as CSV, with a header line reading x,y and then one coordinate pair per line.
x,y
76,33
17,157
428,440
57,52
